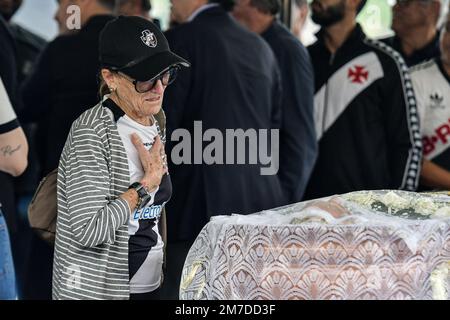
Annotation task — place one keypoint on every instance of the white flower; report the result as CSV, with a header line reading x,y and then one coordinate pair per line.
x,y
362,198
425,206
443,212
391,199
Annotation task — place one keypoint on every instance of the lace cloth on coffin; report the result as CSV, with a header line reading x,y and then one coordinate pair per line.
x,y
264,257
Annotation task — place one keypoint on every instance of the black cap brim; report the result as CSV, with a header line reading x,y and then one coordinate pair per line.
x,y
152,66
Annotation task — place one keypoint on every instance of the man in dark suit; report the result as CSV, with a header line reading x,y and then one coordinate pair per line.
x,y
233,83
298,144
64,83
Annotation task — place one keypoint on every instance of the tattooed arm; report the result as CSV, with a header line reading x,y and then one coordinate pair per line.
x,y
13,152
13,143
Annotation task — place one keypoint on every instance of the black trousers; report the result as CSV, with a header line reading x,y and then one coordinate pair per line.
x,y
154,295
176,255
38,278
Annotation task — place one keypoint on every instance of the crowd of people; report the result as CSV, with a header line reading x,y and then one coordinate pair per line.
x,y
101,104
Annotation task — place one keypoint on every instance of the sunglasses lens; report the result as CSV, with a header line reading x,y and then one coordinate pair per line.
x,y
173,72
144,86
166,78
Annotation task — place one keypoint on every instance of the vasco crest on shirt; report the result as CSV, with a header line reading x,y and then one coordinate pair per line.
x,y
436,101
149,39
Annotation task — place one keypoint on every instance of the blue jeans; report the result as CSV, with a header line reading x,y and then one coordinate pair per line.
x,y
7,275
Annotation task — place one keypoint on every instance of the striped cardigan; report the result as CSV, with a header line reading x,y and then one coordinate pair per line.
x,y
91,249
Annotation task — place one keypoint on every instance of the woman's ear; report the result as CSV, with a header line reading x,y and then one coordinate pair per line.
x,y
110,79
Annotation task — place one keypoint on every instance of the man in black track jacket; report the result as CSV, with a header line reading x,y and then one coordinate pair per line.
x,y
365,109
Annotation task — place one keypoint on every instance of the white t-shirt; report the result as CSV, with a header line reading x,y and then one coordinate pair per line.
x,y
432,88
145,244
7,114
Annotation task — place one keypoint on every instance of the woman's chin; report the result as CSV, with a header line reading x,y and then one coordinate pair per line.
x,y
152,108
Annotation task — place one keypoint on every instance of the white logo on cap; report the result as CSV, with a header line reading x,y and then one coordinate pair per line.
x,y
149,39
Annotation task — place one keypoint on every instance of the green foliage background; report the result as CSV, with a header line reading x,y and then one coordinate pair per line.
x,y
376,18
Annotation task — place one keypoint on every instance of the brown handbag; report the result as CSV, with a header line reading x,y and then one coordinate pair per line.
x,y
42,210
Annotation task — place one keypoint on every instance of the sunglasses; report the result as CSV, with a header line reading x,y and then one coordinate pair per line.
x,y
167,77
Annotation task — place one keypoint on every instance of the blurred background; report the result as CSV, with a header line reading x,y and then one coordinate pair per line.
x,y
37,15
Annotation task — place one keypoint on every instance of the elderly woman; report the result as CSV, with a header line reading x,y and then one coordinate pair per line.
x,y
112,177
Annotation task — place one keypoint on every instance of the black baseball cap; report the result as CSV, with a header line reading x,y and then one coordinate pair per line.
x,y
136,47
